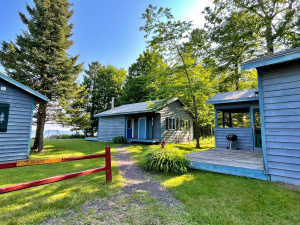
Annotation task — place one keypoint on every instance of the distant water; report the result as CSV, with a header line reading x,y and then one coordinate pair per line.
x,y
54,132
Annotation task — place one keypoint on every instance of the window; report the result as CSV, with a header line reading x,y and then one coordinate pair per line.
x,y
236,118
172,123
184,124
129,123
4,110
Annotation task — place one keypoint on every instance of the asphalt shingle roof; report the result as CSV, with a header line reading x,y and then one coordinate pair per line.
x,y
236,96
281,53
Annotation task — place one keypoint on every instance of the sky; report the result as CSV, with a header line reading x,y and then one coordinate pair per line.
x,y
104,30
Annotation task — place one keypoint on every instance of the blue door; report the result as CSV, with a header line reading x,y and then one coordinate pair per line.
x,y
142,128
129,128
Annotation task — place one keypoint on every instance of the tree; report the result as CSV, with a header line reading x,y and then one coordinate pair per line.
x,y
276,23
168,37
142,81
38,57
103,83
72,108
234,41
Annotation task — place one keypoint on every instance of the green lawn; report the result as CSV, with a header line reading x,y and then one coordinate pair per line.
x,y
211,198
34,205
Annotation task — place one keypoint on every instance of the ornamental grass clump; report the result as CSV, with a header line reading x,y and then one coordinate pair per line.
x,y
167,160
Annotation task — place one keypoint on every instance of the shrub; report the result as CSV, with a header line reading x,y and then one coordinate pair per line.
x,y
119,140
72,136
167,160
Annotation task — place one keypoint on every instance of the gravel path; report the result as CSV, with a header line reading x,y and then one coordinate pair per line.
x,y
142,201
137,179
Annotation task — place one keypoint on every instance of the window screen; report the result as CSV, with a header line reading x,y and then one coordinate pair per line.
x,y
237,118
4,111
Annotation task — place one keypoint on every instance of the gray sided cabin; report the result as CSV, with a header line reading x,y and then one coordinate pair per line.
x,y
139,123
16,113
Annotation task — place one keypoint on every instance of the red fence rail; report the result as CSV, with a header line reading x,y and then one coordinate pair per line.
x,y
49,180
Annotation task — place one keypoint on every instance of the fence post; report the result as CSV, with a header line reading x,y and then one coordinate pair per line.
x,y
108,164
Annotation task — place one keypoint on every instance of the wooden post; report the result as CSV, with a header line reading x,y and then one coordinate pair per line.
x,y
108,164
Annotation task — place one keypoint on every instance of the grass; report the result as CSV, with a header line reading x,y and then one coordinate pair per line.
x,y
211,198
34,205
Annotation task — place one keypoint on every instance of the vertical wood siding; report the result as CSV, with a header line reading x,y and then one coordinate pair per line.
x,y
244,137
149,116
14,144
281,95
175,110
110,127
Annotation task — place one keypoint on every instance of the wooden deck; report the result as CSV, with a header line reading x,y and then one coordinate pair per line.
x,y
234,162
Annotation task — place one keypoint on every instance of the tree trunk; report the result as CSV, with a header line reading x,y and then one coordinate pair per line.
x,y
196,123
41,119
269,39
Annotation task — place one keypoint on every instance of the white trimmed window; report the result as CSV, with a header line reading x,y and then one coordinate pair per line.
x,y
172,123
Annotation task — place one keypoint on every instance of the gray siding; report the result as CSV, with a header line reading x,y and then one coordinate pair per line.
x,y
281,96
244,137
175,110
14,144
110,127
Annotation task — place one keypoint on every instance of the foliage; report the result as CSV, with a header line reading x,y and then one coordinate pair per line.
x,y
167,160
71,136
72,108
241,30
186,75
119,140
103,83
34,205
38,58
144,78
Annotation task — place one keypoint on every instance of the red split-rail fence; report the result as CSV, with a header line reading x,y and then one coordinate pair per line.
x,y
49,180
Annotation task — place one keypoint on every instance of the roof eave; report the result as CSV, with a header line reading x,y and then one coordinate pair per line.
x,y
270,61
23,87
122,113
232,101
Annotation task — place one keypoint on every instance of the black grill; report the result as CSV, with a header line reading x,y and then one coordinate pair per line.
x,y
232,140
231,137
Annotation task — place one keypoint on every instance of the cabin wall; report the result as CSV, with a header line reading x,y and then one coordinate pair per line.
x,y
244,140
149,116
281,104
15,142
110,127
175,110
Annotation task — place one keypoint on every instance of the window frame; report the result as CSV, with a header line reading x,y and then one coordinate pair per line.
x,y
172,123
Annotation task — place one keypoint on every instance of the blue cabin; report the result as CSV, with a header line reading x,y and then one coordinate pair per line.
x,y
266,121
138,122
16,113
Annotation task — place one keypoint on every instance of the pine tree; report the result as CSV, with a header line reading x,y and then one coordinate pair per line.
x,y
103,83
38,57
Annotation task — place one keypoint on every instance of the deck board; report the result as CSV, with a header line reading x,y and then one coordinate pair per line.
x,y
235,162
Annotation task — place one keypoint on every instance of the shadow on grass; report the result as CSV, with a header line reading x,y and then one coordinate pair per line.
x,y
33,205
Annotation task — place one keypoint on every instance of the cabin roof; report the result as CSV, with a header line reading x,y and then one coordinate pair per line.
x,y
140,107
23,87
278,57
236,96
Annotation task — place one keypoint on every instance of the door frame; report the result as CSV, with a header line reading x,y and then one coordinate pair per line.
x,y
132,125
145,127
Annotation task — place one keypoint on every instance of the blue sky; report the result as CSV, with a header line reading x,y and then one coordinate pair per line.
x,y
105,30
